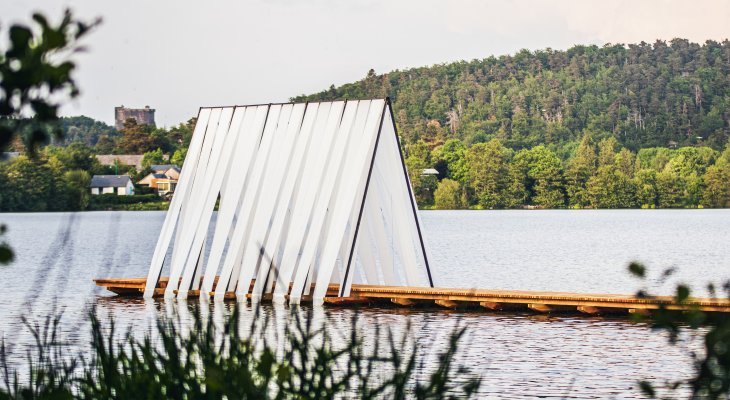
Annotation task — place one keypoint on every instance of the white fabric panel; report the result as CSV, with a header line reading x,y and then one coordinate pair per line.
x,y
299,198
193,194
278,116
350,190
366,252
190,214
307,242
204,197
404,232
249,134
190,192
211,189
286,127
193,234
309,193
377,210
168,226
288,149
274,128
300,186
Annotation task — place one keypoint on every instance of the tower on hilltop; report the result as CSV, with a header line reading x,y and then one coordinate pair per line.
x,y
143,116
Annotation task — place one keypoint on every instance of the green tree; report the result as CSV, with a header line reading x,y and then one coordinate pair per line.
x,y
545,171
178,158
516,191
611,188
36,74
152,158
487,166
448,195
646,188
77,155
642,95
419,158
716,192
105,145
84,130
58,197
607,151
36,77
580,169
449,159
670,188
139,139
31,185
181,134
77,182
625,162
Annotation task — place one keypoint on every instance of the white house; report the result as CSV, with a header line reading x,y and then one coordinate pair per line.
x,y
119,184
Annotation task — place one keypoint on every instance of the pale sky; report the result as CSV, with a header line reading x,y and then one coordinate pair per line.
x,y
179,55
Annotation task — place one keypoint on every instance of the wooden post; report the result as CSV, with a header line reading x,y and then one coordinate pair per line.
x,y
447,304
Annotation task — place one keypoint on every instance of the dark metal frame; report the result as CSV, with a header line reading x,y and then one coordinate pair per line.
x,y
414,207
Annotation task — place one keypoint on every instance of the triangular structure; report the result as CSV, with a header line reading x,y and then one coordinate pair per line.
x,y
310,194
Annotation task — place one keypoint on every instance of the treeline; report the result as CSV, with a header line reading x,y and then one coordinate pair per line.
x,y
598,175
139,139
105,139
85,130
643,95
44,183
57,179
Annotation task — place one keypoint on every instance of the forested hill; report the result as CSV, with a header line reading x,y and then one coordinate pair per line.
x,y
645,95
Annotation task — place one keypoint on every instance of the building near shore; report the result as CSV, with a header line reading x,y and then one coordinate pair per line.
x,y
134,160
143,116
163,179
115,184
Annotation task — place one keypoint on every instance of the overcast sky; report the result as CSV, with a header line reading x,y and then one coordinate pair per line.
x,y
178,55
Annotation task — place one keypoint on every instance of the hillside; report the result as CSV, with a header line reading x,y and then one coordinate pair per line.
x,y
86,130
642,125
644,95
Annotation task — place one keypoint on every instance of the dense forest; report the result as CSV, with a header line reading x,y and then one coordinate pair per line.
x,y
602,127
86,130
660,111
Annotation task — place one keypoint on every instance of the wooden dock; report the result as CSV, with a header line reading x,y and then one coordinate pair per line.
x,y
493,300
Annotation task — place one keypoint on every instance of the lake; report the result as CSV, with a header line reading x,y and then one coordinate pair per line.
x,y
518,355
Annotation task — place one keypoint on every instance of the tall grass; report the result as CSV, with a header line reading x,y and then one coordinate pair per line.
x,y
208,360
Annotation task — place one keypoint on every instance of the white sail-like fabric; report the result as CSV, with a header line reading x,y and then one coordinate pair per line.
x,y
308,195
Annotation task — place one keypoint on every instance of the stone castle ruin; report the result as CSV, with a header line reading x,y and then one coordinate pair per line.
x,y
143,116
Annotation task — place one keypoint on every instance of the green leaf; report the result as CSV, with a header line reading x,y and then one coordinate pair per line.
x,y
6,254
638,270
682,293
647,389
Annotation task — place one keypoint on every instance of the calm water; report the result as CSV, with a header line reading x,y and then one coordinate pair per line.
x,y
517,355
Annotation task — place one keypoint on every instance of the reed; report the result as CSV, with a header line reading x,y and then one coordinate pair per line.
x,y
204,360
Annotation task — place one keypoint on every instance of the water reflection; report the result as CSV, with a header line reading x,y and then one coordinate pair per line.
x,y
518,355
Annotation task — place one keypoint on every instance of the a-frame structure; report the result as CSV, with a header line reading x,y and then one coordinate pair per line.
x,y
308,194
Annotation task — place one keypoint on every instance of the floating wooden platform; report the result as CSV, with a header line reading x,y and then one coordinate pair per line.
x,y
495,300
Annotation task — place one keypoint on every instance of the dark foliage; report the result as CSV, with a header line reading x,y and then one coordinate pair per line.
x,y
644,95
711,378
207,361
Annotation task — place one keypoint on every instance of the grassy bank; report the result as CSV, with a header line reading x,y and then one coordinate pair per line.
x,y
143,202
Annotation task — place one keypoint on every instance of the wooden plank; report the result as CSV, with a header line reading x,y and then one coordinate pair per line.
x,y
453,297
